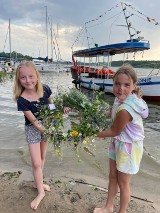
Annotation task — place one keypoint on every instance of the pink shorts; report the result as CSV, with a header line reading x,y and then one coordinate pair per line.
x,y
127,155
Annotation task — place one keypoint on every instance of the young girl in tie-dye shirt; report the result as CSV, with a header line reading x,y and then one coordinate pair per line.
x,y
127,132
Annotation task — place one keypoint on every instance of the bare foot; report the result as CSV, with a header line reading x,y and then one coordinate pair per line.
x,y
37,200
103,210
45,187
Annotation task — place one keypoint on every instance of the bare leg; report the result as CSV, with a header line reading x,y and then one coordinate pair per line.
x,y
37,172
112,190
43,146
124,184
43,149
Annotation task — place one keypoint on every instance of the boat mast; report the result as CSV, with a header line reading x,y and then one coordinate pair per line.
x,y
126,18
51,41
56,41
47,31
10,40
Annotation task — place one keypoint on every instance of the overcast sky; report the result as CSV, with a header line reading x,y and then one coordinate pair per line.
x,y
68,18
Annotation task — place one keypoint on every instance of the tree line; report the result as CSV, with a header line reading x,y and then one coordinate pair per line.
x,y
138,64
15,56
154,64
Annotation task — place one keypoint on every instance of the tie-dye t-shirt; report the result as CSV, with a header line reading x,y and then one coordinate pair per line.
x,y
137,108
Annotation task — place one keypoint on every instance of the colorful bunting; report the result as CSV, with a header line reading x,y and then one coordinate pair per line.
x,y
148,18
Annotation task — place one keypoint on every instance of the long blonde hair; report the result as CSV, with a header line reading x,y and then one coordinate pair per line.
x,y
18,89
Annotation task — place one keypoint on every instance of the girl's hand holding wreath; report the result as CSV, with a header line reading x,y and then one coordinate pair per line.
x,y
67,110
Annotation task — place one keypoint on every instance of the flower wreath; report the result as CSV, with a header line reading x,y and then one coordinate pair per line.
x,y
88,119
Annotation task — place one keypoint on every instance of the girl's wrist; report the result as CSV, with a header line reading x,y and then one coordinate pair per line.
x,y
41,127
34,121
38,125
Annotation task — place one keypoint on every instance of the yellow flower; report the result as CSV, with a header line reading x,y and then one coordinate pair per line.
x,y
74,133
57,116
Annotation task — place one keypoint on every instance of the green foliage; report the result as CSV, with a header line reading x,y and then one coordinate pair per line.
x,y
15,55
5,76
90,112
53,122
154,64
89,117
138,64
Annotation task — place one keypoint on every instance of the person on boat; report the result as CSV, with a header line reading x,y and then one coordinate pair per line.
x,y
76,82
127,136
76,78
30,93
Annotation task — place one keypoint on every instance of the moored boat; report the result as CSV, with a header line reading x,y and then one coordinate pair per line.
x,y
98,75
102,79
150,85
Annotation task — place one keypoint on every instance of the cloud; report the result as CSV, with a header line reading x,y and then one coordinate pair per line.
x,y
28,30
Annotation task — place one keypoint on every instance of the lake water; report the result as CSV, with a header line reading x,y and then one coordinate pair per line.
x,y
12,122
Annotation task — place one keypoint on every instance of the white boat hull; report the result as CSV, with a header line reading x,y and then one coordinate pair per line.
x,y
150,85
49,68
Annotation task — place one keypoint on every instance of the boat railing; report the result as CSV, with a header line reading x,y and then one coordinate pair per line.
x,y
154,72
91,72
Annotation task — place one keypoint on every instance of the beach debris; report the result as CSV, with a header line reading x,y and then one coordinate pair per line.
x,y
95,187
58,181
143,199
88,151
75,197
10,175
153,207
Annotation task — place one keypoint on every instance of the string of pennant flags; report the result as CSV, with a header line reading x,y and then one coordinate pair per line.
x,y
153,20
93,20
100,16
123,5
147,17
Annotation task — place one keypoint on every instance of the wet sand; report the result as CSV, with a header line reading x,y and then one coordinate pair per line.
x,y
75,186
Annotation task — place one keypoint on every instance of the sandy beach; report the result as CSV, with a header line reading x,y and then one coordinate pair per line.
x,y
65,196
75,186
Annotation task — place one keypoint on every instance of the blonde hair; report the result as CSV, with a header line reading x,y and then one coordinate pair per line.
x,y
130,72
18,89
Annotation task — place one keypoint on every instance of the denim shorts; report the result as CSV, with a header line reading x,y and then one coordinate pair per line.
x,y
33,135
127,155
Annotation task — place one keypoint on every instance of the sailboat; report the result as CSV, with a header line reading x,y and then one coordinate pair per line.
x,y
98,75
6,63
44,64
